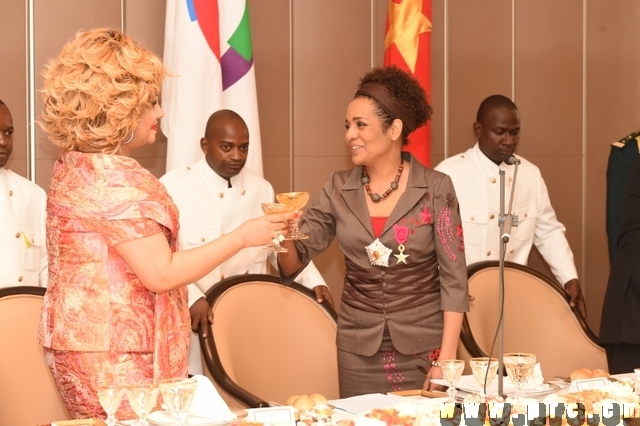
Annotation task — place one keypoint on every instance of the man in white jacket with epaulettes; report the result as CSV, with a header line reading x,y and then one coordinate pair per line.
x,y
475,176
214,196
23,251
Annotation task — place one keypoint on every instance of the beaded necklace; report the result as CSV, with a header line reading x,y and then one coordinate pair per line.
x,y
375,197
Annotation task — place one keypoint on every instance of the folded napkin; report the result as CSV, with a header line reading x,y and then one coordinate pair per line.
x,y
208,403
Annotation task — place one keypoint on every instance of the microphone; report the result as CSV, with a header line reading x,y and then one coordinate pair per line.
x,y
511,160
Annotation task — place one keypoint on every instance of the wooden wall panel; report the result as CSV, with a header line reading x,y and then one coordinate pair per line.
x,y
270,26
479,64
13,76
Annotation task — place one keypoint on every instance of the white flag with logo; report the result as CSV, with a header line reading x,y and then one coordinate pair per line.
x,y
208,53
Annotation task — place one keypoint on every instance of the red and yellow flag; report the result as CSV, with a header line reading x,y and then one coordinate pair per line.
x,y
408,46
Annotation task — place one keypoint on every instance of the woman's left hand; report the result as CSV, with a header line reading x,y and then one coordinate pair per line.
x,y
434,373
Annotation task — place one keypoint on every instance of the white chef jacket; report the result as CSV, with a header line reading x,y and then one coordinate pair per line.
x,y
208,208
23,251
477,183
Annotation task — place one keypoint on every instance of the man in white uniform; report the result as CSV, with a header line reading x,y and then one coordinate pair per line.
x,y
215,196
475,175
23,251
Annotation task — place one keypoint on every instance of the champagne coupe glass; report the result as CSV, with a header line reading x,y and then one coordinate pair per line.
x,y
451,372
298,200
276,208
177,395
143,398
110,397
482,368
519,368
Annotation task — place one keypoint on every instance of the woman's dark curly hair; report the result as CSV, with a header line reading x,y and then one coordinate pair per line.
x,y
404,89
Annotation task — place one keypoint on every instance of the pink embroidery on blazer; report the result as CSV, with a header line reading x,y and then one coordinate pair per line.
x,y
444,230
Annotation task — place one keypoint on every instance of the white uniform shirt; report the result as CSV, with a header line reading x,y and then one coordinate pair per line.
x,y
477,183
23,251
208,208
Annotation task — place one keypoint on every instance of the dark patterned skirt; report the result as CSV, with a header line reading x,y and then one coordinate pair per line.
x,y
386,371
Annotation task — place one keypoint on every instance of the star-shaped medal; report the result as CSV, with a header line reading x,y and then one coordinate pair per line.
x,y
401,256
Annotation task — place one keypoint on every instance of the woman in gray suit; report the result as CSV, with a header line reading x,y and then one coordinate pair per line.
x,y
398,225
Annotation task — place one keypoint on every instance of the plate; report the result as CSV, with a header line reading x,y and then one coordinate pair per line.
x,y
163,418
470,385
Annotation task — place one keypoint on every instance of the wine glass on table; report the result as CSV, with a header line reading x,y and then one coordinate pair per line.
x,y
143,398
277,208
519,368
451,372
298,200
177,395
484,370
110,397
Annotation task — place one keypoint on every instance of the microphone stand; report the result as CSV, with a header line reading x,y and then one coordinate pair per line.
x,y
501,220
505,221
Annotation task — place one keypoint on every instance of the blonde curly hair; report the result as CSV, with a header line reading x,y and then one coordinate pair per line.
x,y
97,89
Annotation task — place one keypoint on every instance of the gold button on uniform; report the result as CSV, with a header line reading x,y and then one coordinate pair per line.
x,y
222,276
202,240
17,235
20,279
246,272
493,180
188,168
491,217
10,193
489,253
472,218
221,195
244,191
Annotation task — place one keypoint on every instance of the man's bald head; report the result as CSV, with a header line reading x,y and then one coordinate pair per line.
x,y
226,143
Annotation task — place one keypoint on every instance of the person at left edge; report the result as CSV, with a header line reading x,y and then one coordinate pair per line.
x,y
214,196
23,255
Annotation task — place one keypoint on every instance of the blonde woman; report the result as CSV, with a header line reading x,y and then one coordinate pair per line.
x,y
115,311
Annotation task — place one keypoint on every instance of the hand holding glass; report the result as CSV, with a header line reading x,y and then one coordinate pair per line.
x,y
451,372
298,200
519,368
177,395
110,397
484,368
143,398
276,208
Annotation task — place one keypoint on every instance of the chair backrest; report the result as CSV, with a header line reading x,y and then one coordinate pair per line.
x,y
28,395
270,341
537,319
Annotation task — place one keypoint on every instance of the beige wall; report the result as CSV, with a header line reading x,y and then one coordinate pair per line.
x,y
571,66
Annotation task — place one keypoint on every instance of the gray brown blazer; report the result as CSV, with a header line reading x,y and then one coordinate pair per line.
x,y
435,274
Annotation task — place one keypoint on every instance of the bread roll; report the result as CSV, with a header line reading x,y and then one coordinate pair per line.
x,y
303,403
598,372
318,399
291,399
581,373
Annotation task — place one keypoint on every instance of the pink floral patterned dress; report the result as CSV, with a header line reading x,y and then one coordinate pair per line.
x,y
99,324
